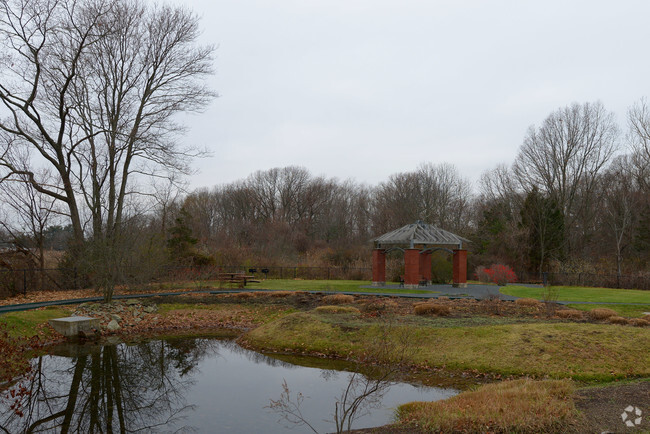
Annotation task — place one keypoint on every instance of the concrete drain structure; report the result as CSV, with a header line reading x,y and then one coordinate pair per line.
x,y
73,325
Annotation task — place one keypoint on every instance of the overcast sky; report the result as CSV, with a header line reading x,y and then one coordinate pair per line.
x,y
363,89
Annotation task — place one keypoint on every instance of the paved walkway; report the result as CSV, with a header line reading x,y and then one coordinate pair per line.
x,y
473,291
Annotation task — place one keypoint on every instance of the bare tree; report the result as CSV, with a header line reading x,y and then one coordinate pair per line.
x,y
436,194
28,213
93,88
620,202
639,138
564,156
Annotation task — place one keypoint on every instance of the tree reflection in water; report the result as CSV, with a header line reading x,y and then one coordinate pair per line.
x,y
111,388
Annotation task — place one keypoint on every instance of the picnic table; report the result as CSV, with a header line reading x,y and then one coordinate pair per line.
x,y
237,278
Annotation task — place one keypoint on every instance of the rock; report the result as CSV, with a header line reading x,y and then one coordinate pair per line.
x,y
113,325
137,319
116,317
132,301
150,309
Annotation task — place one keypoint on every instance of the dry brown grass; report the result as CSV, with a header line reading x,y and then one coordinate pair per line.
x,y
244,295
338,299
601,314
618,320
570,314
280,293
337,309
428,308
509,406
527,302
639,322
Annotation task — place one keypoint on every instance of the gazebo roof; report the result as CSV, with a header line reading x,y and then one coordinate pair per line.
x,y
421,233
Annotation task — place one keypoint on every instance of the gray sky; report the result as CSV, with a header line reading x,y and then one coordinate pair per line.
x,y
363,89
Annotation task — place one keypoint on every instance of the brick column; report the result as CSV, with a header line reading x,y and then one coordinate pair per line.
x,y
460,268
425,266
378,267
411,268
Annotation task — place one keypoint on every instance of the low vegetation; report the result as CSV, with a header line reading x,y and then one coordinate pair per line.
x,y
509,406
431,309
592,352
31,322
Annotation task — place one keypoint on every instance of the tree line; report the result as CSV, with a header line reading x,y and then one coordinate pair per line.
x,y
575,199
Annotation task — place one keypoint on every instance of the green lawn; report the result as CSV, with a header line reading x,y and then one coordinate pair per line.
x,y
24,323
328,285
626,310
581,293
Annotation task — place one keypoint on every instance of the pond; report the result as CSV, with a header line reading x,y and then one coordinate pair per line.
x,y
187,385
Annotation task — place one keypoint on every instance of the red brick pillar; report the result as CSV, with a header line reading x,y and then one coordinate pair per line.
x,y
460,268
411,268
425,266
378,267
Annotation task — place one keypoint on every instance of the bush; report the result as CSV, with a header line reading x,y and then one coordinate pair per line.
x,y
601,314
337,309
338,299
428,308
639,322
618,320
570,313
528,302
497,273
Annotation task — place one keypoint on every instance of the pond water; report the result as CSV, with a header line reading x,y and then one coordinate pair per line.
x,y
185,385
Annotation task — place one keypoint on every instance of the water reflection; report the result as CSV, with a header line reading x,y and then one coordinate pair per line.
x,y
178,385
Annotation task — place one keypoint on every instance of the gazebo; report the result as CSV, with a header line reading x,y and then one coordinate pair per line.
x,y
418,240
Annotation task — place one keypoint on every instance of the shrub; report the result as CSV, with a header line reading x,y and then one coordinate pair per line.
x,y
337,309
570,313
376,305
280,293
601,314
507,406
618,320
497,273
528,302
492,304
481,274
428,308
338,299
639,322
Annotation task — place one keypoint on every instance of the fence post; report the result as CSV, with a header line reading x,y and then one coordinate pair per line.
x,y
295,272
74,278
328,273
545,278
24,282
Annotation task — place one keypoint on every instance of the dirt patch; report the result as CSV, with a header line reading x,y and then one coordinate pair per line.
x,y
603,408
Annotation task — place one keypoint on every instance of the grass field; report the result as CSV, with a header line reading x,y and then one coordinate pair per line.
x,y
581,293
593,352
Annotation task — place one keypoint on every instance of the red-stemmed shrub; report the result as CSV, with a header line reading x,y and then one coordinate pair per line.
x,y
497,273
